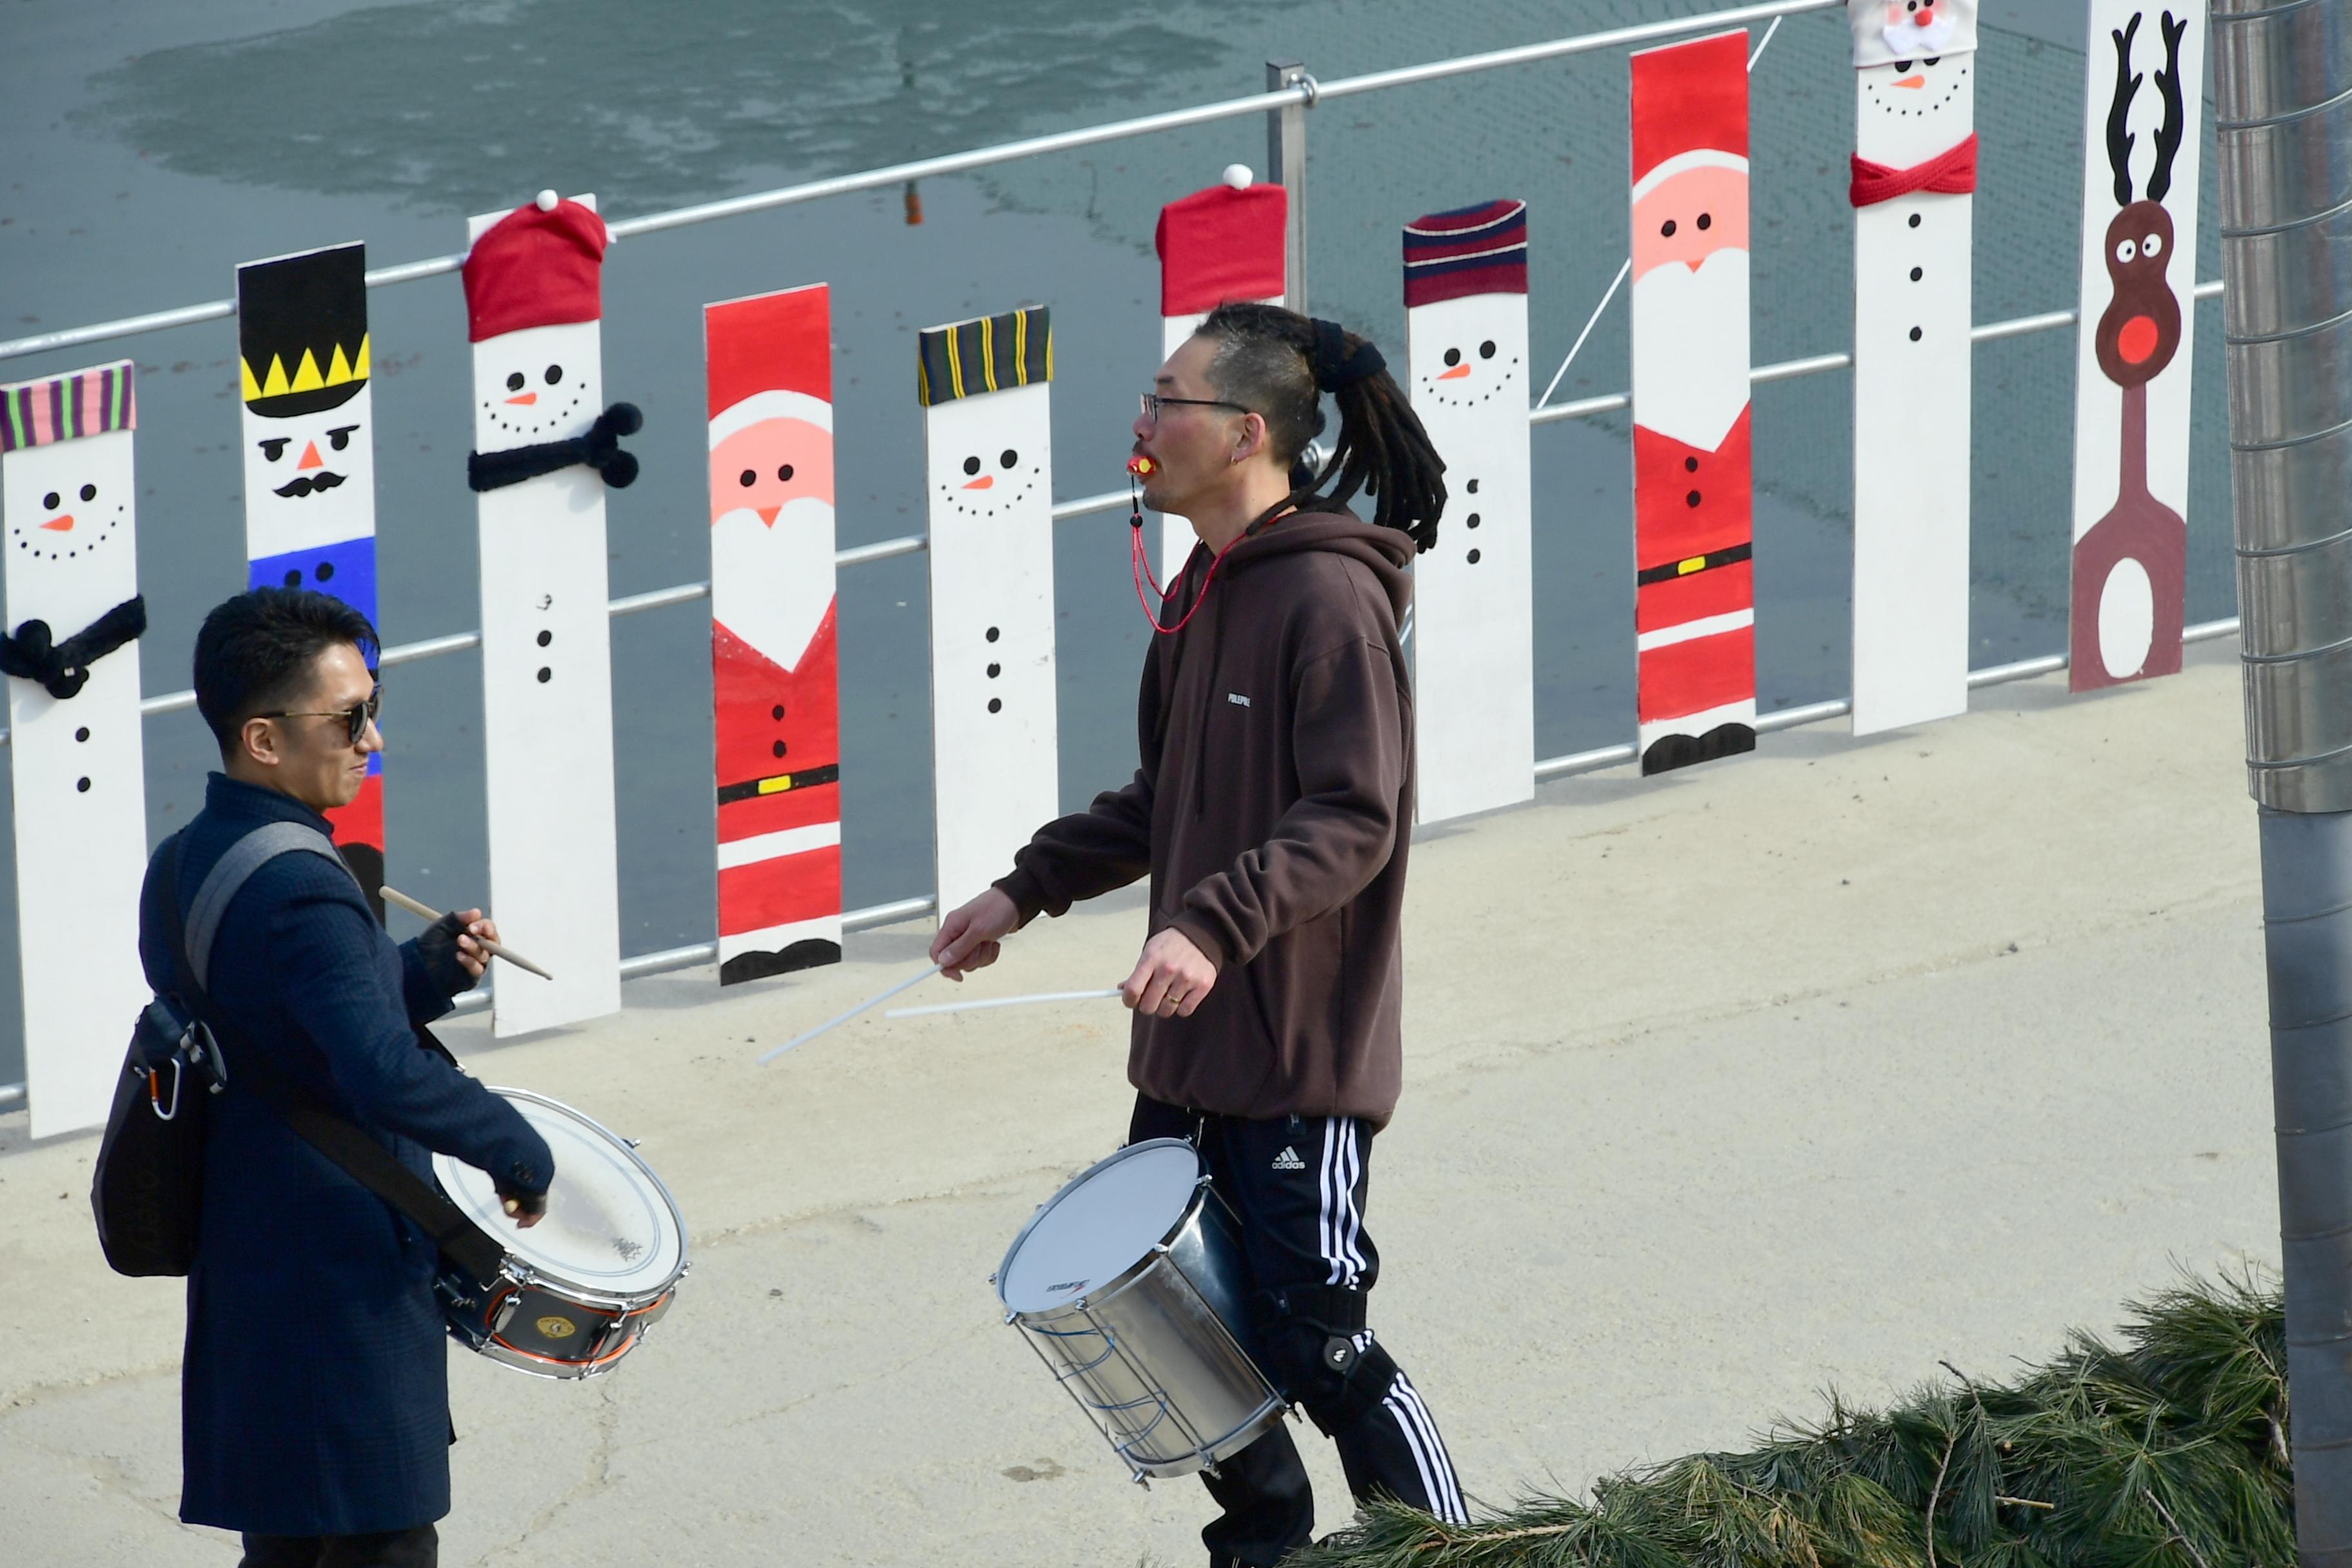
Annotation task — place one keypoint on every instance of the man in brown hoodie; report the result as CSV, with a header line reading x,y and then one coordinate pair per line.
x,y
1272,812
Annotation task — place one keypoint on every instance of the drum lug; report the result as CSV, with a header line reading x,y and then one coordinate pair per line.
x,y
1143,1481
1011,1318
632,1142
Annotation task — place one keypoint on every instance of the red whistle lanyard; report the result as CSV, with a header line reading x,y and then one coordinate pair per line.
x,y
1141,566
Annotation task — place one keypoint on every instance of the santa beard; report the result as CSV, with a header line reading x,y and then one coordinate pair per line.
x,y
1911,41
1690,349
771,586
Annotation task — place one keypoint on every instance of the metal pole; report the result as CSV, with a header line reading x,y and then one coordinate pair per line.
x,y
1285,165
2283,80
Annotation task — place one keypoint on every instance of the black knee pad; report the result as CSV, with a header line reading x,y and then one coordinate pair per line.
x,y
1309,1338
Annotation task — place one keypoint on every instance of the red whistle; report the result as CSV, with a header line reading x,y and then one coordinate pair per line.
x,y
1142,465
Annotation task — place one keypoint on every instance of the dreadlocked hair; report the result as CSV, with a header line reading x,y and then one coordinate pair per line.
x,y
1278,364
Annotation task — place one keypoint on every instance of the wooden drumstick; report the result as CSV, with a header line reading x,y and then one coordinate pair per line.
x,y
425,912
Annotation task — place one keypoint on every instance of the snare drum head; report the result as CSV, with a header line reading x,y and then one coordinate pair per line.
x,y
610,1228
1100,1226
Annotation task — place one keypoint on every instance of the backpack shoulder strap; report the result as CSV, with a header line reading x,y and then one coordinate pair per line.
x,y
229,875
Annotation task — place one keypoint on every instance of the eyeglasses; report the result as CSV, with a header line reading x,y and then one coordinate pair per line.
x,y
1153,403
357,717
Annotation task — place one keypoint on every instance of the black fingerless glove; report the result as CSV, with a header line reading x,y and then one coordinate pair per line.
x,y
437,947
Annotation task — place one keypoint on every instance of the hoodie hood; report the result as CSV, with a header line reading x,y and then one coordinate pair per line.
x,y
1320,523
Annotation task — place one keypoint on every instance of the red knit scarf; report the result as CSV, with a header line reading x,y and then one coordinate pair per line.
x,y
1952,172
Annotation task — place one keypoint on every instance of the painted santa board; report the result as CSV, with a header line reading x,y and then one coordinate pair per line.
x,y
533,301
989,477
1217,245
310,464
773,650
1914,173
2131,380
74,751
1694,607
1466,296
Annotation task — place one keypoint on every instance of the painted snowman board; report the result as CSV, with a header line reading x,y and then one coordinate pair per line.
x,y
774,649
989,477
310,464
1466,291
547,665
2144,111
1914,170
77,763
1215,245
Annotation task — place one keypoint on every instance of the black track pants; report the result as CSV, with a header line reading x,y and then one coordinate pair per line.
x,y
1298,1184
417,1548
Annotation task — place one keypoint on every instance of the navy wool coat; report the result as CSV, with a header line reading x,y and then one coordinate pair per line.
x,y
315,1390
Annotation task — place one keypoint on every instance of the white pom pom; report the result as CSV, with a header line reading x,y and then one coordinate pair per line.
x,y
1238,175
546,200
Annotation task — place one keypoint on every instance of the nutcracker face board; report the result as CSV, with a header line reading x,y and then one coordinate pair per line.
x,y
1694,608
1465,289
1216,246
1913,175
70,516
2130,569
774,649
310,464
547,669
989,478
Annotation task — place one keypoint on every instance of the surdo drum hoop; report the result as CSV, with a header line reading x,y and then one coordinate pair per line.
x,y
1130,1286
580,1289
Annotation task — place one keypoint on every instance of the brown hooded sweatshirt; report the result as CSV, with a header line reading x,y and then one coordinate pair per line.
x,y
1272,812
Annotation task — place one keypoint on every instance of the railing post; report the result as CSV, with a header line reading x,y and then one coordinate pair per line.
x,y
1285,165
2284,131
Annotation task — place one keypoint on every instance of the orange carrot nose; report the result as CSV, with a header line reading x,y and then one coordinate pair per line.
x,y
1456,374
1911,81
982,483
59,524
310,459
768,514
525,398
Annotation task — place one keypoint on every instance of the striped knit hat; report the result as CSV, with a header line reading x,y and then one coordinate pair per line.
x,y
992,354
1470,250
86,403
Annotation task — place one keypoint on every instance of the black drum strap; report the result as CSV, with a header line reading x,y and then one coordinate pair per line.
x,y
349,1147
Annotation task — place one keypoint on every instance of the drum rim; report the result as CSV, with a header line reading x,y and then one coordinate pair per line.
x,y
521,1272
1152,1254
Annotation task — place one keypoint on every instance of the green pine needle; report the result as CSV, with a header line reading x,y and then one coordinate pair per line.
x,y
2165,1449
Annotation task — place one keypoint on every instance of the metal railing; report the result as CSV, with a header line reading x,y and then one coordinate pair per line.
x,y
1305,94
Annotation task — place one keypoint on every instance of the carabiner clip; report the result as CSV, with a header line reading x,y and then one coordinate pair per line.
x,y
155,1089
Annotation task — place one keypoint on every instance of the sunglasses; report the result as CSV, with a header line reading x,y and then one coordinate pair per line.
x,y
356,718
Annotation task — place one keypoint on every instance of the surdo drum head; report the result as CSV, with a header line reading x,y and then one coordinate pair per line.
x,y
1101,1226
585,1282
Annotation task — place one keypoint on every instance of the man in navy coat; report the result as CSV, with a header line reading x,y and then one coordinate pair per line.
x,y
314,1392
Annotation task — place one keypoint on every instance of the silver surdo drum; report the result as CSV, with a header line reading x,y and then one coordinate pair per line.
x,y
580,1289
1130,1286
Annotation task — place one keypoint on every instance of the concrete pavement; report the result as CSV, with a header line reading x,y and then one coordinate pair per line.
x,y
1808,1070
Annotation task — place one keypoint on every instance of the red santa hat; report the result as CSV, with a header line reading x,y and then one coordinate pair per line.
x,y
769,357
1690,108
541,265
1220,245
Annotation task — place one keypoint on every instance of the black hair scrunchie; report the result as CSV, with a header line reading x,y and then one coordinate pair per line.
x,y
1335,367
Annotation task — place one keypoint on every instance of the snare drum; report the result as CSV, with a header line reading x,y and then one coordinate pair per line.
x,y
580,1289
1131,1286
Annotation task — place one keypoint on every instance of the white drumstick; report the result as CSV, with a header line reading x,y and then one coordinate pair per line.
x,y
1002,1002
872,1001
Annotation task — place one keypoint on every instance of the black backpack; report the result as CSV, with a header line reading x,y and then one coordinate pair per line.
x,y
147,1189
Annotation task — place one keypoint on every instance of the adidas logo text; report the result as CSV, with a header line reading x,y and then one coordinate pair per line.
x,y
1288,1160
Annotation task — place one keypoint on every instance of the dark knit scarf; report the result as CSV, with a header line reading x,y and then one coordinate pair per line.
x,y
600,449
64,668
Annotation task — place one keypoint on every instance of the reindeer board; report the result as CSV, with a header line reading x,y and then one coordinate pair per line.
x,y
1465,295
1694,604
75,757
774,650
1914,173
1217,245
310,464
989,479
543,459
2130,578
